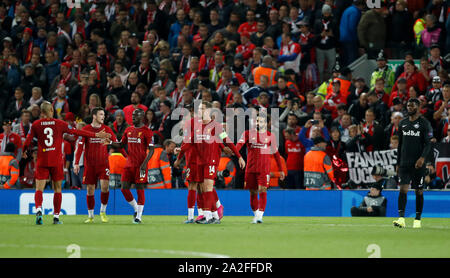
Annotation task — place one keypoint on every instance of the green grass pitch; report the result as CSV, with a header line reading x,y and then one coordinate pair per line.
x,y
168,237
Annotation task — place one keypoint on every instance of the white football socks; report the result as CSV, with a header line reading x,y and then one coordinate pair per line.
x,y
190,213
133,203
140,209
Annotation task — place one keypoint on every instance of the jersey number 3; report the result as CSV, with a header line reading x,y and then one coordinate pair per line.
x,y
49,132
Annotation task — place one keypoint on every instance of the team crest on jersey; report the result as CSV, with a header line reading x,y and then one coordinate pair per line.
x,y
416,125
139,134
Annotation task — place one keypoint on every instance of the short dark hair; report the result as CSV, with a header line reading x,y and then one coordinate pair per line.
x,y
96,110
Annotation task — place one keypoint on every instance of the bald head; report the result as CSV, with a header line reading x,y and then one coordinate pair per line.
x,y
267,60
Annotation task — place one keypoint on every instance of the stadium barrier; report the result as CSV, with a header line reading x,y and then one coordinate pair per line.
x,y
236,202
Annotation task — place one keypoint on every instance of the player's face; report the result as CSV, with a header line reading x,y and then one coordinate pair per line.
x,y
261,123
137,117
412,108
100,117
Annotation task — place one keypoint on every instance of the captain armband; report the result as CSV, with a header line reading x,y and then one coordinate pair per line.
x,y
223,135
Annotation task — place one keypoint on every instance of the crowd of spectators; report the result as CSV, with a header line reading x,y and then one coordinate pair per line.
x,y
159,55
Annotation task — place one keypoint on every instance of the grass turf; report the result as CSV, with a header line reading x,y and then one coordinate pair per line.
x,y
168,237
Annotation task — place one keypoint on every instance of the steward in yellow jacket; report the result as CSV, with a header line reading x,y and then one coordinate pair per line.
x,y
9,167
318,169
159,171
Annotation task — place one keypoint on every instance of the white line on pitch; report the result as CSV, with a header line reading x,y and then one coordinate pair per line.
x,y
138,250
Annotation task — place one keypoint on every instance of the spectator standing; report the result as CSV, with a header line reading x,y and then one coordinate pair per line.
x,y
327,34
348,31
372,30
295,152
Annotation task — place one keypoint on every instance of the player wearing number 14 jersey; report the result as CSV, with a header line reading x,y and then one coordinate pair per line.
x,y
96,164
49,133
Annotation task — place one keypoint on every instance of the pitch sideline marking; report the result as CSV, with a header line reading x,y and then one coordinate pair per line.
x,y
110,249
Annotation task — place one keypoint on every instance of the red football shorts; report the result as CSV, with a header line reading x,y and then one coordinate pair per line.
x,y
254,180
133,176
194,173
93,174
44,173
209,171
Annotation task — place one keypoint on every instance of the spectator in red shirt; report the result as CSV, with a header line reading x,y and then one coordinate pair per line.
x,y
135,104
400,93
246,47
295,152
250,25
412,76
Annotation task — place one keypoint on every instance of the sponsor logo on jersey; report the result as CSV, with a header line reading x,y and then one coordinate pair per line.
x,y
411,133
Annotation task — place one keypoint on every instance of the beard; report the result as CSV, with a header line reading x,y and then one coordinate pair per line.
x,y
412,112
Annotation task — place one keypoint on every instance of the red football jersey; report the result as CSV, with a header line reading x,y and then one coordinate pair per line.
x,y
138,140
295,153
260,147
188,147
207,140
49,134
95,152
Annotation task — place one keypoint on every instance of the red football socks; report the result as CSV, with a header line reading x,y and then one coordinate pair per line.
x,y
57,199
254,201
127,194
200,201
262,201
141,197
104,196
206,205
191,198
38,199
216,197
212,201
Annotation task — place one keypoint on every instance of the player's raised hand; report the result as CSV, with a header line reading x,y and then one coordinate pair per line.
x,y
419,162
282,176
241,162
103,134
106,141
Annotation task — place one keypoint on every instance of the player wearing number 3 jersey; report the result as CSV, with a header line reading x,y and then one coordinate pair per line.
x,y
49,133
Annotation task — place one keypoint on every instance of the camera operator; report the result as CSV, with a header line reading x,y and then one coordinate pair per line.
x,y
432,181
374,204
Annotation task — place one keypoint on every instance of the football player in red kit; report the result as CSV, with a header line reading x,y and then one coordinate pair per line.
x,y
49,133
138,138
194,175
96,163
207,138
261,144
193,178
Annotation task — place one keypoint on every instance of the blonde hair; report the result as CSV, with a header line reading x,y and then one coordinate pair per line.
x,y
47,108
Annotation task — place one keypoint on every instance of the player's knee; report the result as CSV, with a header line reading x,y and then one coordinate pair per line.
x,y
419,192
262,189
